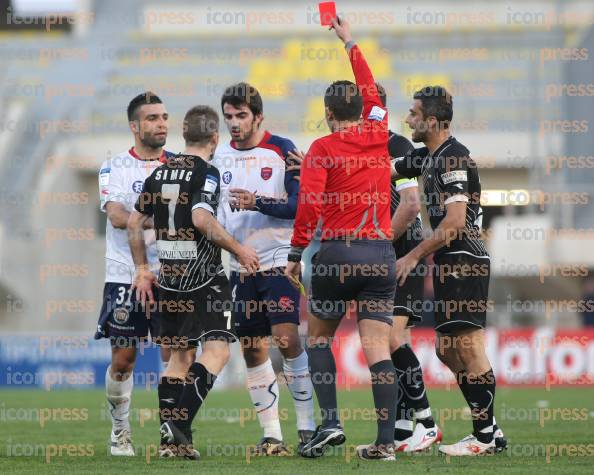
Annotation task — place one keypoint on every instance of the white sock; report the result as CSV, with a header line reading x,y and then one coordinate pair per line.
x,y
263,389
300,386
119,395
404,424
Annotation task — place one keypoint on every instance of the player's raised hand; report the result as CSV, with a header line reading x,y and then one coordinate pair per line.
x,y
295,161
144,280
248,258
342,28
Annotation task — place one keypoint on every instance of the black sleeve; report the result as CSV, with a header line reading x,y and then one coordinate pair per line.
x,y
399,146
206,193
144,203
452,173
410,166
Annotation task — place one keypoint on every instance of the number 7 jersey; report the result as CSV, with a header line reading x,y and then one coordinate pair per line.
x,y
185,183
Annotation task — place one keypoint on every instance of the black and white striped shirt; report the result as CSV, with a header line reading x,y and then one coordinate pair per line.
x,y
449,175
185,183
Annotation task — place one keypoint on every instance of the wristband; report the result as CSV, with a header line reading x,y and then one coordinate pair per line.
x,y
295,254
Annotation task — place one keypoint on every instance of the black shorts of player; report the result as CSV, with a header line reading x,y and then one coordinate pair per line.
x,y
123,319
461,287
363,271
204,314
408,301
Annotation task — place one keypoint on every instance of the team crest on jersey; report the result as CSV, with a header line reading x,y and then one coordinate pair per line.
x,y
137,186
121,315
266,173
227,177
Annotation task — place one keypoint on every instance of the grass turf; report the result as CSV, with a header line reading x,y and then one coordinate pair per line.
x,y
67,431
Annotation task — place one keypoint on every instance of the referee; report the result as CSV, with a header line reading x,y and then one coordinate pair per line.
x,y
462,264
345,180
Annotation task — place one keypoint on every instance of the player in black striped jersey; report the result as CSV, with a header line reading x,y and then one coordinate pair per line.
x,y
194,299
461,275
407,230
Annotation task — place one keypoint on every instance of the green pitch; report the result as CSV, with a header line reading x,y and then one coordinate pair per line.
x,y
67,432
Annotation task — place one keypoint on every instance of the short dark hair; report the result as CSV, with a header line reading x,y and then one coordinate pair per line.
x,y
200,124
344,100
381,92
141,100
241,94
437,102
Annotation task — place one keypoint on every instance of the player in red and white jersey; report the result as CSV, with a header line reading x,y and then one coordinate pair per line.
x,y
122,319
258,206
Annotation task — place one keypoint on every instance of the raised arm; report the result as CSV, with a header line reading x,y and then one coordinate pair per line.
x,y
363,76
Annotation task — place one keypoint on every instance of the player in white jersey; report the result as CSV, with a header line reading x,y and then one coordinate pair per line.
x,y
122,319
258,206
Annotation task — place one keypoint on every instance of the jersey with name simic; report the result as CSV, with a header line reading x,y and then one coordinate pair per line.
x,y
185,183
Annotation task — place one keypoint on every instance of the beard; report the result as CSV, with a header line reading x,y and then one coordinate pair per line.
x,y
152,141
419,136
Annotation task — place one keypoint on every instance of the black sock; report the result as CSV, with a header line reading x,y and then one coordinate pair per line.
x,y
403,428
412,386
199,382
169,391
479,392
322,369
384,386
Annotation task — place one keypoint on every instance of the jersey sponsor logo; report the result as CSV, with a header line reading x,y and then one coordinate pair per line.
x,y
451,177
210,184
227,177
137,186
176,250
377,113
266,173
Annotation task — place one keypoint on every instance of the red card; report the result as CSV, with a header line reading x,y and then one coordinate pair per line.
x,y
327,13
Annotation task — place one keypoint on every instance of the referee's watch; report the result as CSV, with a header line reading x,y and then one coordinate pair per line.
x,y
295,254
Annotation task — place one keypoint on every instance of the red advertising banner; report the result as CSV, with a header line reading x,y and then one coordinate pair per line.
x,y
539,356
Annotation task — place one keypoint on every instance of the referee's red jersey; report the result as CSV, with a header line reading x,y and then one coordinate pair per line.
x,y
345,176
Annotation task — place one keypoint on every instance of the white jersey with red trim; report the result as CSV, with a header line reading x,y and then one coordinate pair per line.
x,y
260,170
120,180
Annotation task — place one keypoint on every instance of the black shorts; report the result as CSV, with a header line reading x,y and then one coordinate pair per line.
x,y
123,319
363,271
204,314
461,287
408,301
